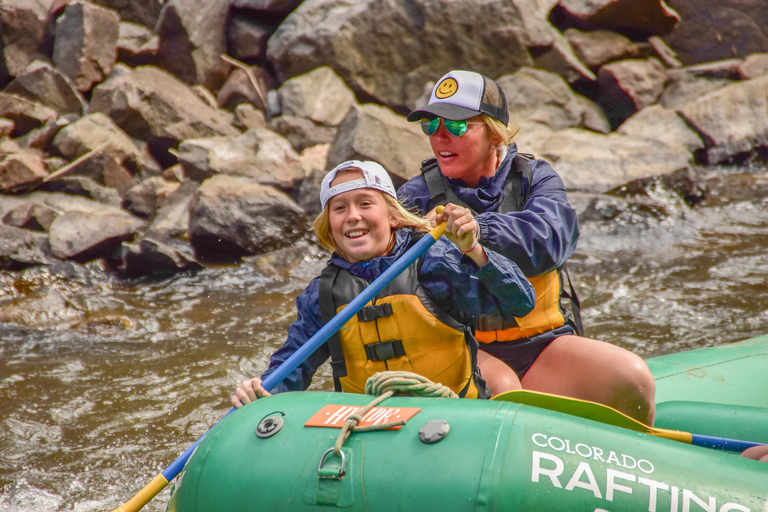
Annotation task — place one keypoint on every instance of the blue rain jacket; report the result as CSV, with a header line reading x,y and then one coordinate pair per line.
x,y
449,277
540,238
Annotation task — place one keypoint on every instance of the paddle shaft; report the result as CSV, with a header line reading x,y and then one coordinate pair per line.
x,y
273,379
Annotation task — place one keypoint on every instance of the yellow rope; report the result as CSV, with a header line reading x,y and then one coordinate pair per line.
x,y
386,384
406,382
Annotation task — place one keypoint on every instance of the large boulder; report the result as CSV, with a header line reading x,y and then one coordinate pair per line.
x,y
83,236
372,132
733,121
230,217
631,16
432,37
712,30
192,40
593,162
153,105
85,49
46,85
23,31
260,154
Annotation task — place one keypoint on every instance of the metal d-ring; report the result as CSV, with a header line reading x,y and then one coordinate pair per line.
x,y
342,472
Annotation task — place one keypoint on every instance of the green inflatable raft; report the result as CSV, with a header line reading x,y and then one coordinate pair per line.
x,y
514,454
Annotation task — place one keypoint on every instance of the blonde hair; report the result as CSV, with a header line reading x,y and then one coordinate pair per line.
x,y
402,217
499,130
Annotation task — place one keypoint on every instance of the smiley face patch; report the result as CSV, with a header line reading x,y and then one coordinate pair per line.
x,y
447,88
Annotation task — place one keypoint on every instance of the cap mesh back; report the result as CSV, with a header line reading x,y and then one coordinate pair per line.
x,y
494,102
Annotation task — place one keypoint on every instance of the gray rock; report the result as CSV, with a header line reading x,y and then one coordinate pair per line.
x,y
44,84
639,16
733,120
543,97
92,132
247,36
260,154
432,36
82,186
136,44
320,96
85,49
21,169
144,199
628,86
713,30
29,215
593,162
754,66
25,113
143,12
372,132
663,125
192,41
21,248
23,25
230,217
151,258
154,106
599,47
83,236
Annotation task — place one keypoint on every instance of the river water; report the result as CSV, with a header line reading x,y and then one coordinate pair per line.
x,y
90,412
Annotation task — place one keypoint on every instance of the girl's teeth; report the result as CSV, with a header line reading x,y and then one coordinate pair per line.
x,y
353,234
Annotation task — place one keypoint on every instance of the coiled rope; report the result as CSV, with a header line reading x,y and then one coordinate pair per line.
x,y
386,384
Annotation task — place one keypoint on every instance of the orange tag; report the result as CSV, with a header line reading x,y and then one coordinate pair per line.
x,y
334,416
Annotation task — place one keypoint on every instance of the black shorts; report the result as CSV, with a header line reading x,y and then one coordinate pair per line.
x,y
521,354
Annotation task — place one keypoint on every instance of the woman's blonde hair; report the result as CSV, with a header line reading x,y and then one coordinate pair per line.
x,y
499,130
402,217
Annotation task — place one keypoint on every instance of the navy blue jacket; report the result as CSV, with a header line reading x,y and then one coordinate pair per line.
x,y
497,289
540,238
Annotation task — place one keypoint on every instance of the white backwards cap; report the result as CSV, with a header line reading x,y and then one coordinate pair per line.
x,y
374,176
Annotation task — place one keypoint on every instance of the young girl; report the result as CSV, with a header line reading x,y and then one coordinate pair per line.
x,y
420,321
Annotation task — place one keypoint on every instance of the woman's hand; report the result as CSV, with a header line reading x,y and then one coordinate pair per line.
x,y
461,228
249,391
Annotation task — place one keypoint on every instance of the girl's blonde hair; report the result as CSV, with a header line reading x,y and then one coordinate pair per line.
x,y
498,129
402,217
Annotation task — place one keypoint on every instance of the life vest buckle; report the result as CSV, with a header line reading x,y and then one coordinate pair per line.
x,y
371,313
385,350
492,323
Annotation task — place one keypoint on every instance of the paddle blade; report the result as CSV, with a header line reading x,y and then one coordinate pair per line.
x,y
144,496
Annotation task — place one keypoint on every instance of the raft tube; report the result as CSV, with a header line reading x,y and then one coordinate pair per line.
x,y
499,456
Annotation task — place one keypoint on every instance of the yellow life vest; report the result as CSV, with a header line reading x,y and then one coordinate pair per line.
x,y
547,314
402,329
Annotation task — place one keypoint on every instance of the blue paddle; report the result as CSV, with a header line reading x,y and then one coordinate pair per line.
x,y
159,482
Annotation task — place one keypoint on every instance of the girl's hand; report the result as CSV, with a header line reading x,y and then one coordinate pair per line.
x,y
249,391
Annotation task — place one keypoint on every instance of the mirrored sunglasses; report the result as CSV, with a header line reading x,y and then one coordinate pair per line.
x,y
455,128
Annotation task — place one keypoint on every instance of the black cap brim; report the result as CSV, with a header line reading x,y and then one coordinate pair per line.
x,y
444,110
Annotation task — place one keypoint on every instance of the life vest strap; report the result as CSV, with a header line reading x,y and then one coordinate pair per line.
x,y
385,350
493,323
372,313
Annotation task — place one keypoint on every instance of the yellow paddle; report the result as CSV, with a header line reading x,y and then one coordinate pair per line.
x,y
604,414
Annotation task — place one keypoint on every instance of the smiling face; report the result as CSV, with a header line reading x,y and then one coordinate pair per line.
x,y
446,88
469,157
360,221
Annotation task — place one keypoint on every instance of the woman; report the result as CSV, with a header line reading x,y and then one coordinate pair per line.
x,y
521,211
419,321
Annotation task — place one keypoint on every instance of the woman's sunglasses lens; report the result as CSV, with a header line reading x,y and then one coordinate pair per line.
x,y
455,128
429,126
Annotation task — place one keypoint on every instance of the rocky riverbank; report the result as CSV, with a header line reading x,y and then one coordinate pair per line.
x,y
145,138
